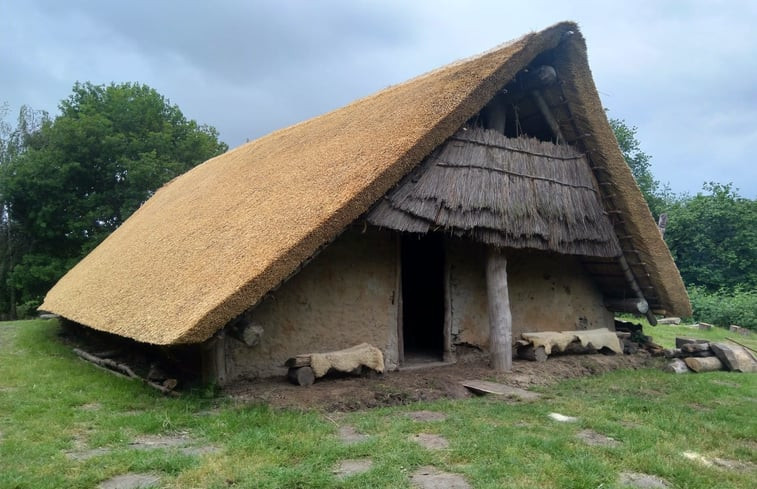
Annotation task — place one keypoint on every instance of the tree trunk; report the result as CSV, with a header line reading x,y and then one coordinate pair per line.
x,y
500,317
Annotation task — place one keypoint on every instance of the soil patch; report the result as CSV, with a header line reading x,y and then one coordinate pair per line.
x,y
91,406
426,416
723,463
410,386
642,481
432,478
591,437
350,436
348,468
130,481
430,441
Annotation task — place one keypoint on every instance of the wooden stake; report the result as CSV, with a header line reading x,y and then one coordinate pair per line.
x,y
500,317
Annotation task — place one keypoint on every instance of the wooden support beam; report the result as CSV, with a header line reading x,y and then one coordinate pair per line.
x,y
548,116
636,306
500,316
635,287
214,360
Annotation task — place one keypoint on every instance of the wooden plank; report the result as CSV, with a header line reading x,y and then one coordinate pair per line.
x,y
481,387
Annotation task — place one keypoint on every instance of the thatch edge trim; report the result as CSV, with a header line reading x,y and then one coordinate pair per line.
x,y
587,110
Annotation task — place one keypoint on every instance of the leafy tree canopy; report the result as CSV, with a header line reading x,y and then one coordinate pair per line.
x,y
713,238
70,182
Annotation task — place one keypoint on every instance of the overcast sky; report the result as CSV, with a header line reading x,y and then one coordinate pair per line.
x,y
684,72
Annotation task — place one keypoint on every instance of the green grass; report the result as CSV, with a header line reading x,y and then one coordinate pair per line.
x,y
665,335
655,416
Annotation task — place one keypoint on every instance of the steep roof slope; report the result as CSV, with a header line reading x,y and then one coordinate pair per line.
x,y
213,241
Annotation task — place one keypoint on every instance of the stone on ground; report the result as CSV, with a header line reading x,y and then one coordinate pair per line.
x,y
430,441
670,320
591,437
349,435
562,418
130,481
677,366
429,477
482,387
348,468
426,416
642,481
182,442
734,357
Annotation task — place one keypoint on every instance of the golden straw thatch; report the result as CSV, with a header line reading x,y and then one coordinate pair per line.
x,y
212,242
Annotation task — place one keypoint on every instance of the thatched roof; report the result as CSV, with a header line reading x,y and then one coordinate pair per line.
x,y
215,240
506,192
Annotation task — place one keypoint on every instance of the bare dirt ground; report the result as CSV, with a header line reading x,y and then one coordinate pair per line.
x,y
405,387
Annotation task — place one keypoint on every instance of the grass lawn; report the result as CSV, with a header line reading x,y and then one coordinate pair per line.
x,y
54,406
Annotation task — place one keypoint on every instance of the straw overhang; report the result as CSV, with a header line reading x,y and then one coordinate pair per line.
x,y
213,242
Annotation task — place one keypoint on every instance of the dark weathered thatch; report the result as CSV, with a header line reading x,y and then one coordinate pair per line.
x,y
508,192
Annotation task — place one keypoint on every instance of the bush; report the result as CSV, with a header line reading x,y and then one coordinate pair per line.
x,y
725,307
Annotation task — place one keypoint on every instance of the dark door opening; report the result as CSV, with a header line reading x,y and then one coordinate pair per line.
x,y
423,297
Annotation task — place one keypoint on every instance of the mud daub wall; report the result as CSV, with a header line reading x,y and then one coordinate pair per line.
x,y
548,292
345,296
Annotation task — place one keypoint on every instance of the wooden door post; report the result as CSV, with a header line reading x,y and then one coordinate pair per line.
x,y
500,317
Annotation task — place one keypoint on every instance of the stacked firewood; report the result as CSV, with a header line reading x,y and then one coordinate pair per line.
x,y
704,356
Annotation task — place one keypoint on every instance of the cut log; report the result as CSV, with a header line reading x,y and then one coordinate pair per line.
x,y
706,364
635,306
689,348
528,352
500,317
301,376
670,321
685,341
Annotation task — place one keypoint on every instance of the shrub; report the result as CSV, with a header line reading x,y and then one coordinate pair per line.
x,y
725,307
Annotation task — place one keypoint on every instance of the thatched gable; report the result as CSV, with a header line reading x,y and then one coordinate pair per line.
x,y
214,241
506,192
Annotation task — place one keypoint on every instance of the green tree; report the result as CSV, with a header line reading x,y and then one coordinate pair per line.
x,y
79,176
713,238
657,197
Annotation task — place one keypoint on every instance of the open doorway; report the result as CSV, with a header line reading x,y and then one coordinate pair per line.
x,y
423,298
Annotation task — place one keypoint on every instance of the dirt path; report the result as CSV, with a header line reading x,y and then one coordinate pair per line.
x,y
405,387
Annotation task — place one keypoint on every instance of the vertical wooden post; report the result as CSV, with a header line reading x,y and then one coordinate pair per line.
x,y
500,317
214,360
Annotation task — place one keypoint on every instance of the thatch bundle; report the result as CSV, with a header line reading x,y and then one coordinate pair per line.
x,y
508,192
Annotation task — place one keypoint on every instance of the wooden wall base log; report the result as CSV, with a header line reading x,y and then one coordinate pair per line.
x,y
301,376
534,354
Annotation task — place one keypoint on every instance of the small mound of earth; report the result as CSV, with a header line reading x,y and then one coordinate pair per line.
x,y
348,468
430,441
426,416
410,386
642,481
591,437
432,478
130,481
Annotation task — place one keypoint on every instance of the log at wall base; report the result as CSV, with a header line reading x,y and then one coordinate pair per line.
x,y
500,317
301,376
123,370
534,354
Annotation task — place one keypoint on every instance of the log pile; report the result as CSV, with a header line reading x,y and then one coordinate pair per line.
x,y
693,355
